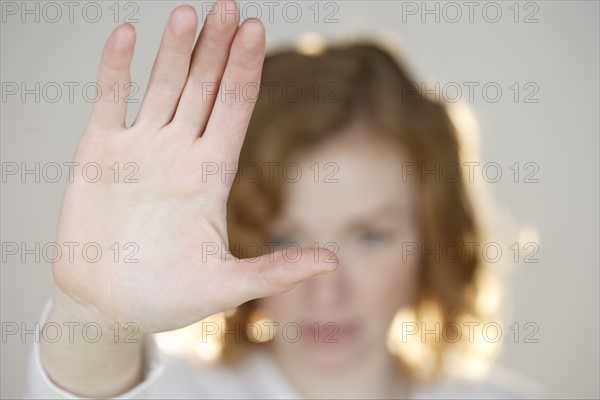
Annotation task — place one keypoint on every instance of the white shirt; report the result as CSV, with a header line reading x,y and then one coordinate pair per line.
x,y
257,376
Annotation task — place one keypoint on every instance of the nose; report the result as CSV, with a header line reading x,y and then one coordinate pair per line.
x,y
328,291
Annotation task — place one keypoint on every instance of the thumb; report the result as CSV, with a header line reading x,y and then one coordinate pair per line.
x,y
280,271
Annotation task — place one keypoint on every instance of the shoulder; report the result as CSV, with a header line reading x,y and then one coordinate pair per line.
x,y
498,382
253,376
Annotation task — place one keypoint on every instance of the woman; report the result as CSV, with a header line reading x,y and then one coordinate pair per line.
x,y
335,174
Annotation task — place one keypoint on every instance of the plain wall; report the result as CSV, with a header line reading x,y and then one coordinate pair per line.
x,y
559,53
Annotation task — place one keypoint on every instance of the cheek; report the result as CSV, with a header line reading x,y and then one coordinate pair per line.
x,y
388,288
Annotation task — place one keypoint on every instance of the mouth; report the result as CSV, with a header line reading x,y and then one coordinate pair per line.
x,y
330,332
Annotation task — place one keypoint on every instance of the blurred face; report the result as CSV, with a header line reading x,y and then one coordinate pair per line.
x,y
365,216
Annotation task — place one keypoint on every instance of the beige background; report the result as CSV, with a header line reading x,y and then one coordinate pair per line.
x,y
560,133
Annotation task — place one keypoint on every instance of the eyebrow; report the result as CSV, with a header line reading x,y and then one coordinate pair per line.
x,y
365,218
358,221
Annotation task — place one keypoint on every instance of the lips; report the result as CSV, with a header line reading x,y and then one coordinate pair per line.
x,y
330,332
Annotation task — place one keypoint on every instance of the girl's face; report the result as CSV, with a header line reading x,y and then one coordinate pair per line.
x,y
352,197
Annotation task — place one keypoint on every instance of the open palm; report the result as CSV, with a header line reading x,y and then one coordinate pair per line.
x,y
152,211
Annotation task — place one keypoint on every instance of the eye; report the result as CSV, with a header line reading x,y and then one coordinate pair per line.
x,y
372,236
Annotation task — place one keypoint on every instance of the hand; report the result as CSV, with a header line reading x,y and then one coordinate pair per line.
x,y
171,212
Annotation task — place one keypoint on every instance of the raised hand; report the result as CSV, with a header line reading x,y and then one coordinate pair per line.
x,y
162,211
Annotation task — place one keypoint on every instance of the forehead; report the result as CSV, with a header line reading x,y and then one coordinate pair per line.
x,y
349,176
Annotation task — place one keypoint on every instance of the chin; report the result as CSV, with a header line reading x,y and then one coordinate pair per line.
x,y
331,354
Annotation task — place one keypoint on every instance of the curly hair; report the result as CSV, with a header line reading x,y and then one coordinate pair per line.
x,y
307,98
